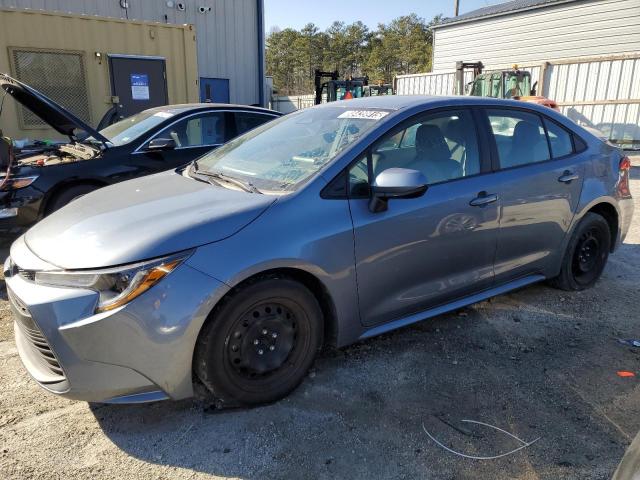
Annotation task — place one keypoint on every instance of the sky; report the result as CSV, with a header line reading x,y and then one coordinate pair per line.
x,y
297,13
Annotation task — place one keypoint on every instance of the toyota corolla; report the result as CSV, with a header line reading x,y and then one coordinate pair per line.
x,y
324,227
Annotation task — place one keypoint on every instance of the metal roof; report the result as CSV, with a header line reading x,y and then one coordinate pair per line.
x,y
499,9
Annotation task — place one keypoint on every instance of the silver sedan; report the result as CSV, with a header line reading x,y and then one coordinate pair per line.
x,y
326,226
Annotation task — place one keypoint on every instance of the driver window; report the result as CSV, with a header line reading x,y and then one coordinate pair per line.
x,y
443,146
197,131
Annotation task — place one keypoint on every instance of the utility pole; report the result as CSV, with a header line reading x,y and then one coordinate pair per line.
x,y
456,8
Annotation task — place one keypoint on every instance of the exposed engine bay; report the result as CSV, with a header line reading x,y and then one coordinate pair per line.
x,y
58,154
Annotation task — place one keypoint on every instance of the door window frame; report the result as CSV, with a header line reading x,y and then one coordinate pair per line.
x,y
493,146
229,119
333,191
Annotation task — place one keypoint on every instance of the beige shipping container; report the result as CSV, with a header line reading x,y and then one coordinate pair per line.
x,y
73,53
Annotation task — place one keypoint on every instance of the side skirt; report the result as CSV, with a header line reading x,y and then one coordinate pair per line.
x,y
463,302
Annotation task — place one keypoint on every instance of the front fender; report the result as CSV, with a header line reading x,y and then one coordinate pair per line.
x,y
310,235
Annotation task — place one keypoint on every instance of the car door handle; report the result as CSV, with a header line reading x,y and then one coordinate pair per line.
x,y
483,198
568,177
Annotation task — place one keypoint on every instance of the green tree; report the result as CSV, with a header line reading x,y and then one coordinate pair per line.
x,y
400,47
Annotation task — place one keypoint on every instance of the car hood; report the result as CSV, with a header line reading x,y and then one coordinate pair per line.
x,y
60,119
141,219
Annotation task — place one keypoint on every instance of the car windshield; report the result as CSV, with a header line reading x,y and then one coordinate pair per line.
x,y
127,130
283,154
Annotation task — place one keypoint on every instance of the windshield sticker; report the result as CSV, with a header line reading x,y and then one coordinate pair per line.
x,y
364,114
139,86
163,114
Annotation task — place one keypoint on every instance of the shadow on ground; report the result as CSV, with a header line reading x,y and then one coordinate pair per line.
x,y
538,363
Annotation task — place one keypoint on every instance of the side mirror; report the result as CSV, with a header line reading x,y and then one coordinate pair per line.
x,y
396,183
162,144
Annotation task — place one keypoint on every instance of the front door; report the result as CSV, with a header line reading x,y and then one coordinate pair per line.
x,y
193,135
539,181
138,83
214,90
426,251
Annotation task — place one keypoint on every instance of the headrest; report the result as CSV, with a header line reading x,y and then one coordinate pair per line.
x,y
430,141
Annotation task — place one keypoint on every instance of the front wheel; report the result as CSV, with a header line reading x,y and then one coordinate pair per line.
x,y
68,195
586,254
260,343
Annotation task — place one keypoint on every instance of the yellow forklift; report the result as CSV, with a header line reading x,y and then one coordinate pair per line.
x,y
513,84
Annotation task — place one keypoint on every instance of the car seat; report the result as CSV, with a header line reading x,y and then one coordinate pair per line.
x,y
433,157
528,145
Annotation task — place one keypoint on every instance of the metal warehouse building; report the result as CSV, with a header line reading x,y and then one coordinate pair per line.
x,y
584,54
230,39
535,31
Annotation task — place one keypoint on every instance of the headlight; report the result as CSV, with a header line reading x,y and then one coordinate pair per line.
x,y
18,183
116,286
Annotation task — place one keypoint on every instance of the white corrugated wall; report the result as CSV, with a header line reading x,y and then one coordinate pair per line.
x,y
599,92
582,28
227,42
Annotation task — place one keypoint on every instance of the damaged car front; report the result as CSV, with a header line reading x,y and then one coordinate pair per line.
x,y
23,187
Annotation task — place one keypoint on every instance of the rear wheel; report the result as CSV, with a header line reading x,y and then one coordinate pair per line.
x,y
586,254
68,195
260,343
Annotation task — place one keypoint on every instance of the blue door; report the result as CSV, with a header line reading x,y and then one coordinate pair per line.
x,y
214,90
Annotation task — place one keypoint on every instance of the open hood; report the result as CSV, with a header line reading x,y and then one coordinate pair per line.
x,y
56,116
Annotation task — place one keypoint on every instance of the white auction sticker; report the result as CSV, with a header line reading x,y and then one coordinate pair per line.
x,y
163,114
364,114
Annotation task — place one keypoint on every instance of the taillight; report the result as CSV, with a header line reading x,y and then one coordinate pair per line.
x,y
623,182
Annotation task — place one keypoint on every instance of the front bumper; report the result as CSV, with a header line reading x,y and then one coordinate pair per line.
x,y
140,352
19,210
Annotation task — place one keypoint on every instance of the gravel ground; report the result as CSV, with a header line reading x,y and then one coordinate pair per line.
x,y
539,363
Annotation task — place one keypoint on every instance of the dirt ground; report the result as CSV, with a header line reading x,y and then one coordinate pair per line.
x,y
538,363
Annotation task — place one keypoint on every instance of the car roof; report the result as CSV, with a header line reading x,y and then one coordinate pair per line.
x,y
399,102
402,102
187,107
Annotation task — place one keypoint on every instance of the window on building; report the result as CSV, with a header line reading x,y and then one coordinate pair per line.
x,y
58,74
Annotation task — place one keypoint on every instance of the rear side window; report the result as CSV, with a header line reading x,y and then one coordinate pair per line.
x,y
520,137
246,121
559,139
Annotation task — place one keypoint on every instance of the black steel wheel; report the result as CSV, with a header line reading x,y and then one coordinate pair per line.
x,y
260,342
586,255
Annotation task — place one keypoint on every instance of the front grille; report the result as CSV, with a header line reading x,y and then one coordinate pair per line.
x,y
38,356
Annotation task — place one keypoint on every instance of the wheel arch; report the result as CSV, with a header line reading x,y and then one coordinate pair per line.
x,y
60,187
606,208
611,215
309,280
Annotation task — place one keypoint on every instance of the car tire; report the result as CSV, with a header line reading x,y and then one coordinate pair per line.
x,y
68,195
260,343
586,254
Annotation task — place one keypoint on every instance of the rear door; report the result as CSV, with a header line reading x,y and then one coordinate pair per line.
x,y
538,180
194,135
246,121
